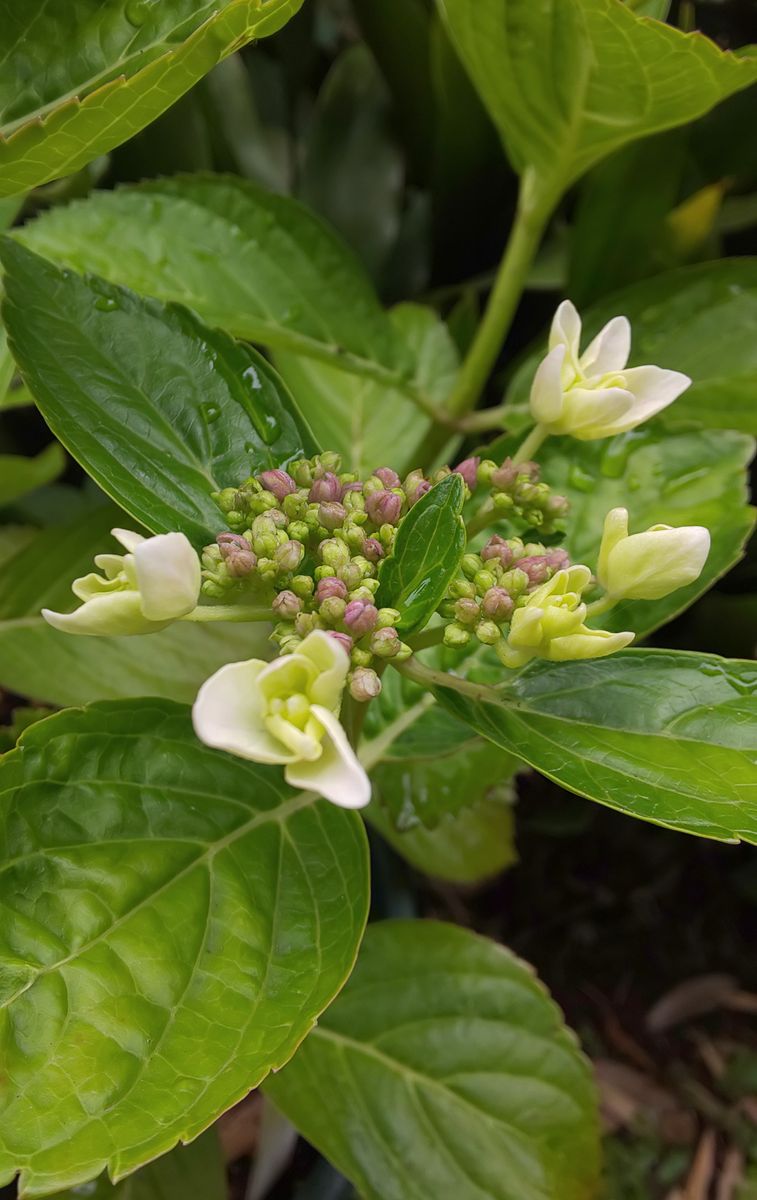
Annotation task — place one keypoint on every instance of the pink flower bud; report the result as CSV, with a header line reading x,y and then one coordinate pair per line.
x,y
237,553
373,550
384,508
504,477
498,604
365,684
388,477
467,611
330,588
468,468
331,514
558,560
415,487
497,548
385,643
286,605
344,639
278,482
360,617
536,568
327,488
557,506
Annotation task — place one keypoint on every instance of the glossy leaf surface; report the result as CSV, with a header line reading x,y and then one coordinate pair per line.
x,y
444,1069
667,736
569,81
79,80
159,409
178,916
427,550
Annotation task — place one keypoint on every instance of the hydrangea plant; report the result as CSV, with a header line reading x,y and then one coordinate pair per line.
x,y
347,586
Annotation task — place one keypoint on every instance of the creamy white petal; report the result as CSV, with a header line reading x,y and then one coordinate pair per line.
x,y
287,675
609,351
589,412
547,397
337,774
653,388
587,643
229,714
615,530
168,576
111,564
332,664
112,614
647,566
566,329
128,538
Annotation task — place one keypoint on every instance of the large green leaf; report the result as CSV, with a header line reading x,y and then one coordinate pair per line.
x,y
695,478
194,1170
19,475
260,265
176,921
159,409
667,736
38,661
444,1069
78,81
426,555
368,423
701,320
569,81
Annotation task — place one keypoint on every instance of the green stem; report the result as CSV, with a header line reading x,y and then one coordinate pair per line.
x,y
486,515
428,637
531,444
484,420
600,606
229,612
429,678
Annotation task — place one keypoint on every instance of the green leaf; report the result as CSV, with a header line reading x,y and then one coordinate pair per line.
x,y
427,550
75,85
259,265
194,1170
19,475
160,410
369,424
696,478
667,736
569,81
36,660
444,1069
179,918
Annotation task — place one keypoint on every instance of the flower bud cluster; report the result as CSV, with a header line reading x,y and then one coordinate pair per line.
x,y
517,491
308,540
493,584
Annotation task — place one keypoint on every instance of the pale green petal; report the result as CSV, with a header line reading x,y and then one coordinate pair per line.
x,y
547,396
111,564
510,657
86,587
647,566
112,614
590,413
229,714
526,627
332,665
608,352
615,530
287,676
128,539
168,576
337,774
587,643
300,743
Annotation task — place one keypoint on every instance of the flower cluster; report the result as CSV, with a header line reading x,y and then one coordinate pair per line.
x,y
303,551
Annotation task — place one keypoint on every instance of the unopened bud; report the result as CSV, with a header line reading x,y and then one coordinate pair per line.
x,y
468,468
486,469
330,460
385,643
331,514
344,639
334,553
286,605
456,636
558,560
470,565
462,589
360,617
372,549
556,507
497,548
278,482
325,489
329,587
364,684
504,476
388,618
488,633
416,485
497,604
384,508
302,472
483,581
289,555
305,623
467,612
536,568
302,586
351,576
388,477
332,609
237,553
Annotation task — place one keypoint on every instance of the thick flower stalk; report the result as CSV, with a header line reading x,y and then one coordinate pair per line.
x,y
156,582
594,394
287,712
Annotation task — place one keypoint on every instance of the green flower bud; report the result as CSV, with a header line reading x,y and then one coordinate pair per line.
x,y
302,586
301,472
334,553
332,609
488,633
462,589
467,612
213,590
294,505
515,581
299,532
385,643
387,618
404,653
360,658
503,502
483,581
471,565
305,623
486,468
456,636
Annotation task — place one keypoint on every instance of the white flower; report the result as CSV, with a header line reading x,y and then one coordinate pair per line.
x,y
593,395
154,583
646,566
551,624
286,712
